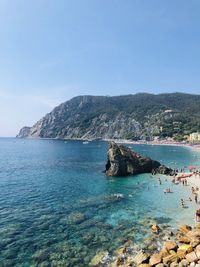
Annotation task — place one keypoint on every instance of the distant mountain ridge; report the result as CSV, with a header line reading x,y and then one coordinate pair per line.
x,y
139,116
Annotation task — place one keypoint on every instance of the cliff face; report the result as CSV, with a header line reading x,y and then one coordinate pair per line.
x,y
139,116
24,132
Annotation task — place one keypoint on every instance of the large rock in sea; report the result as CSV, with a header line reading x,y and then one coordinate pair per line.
x,y
122,161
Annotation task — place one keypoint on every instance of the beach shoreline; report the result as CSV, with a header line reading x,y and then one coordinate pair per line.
x,y
125,141
159,143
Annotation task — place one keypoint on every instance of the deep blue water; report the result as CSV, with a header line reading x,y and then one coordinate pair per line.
x,y
57,207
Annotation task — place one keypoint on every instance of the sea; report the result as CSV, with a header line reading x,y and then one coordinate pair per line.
x,y
57,207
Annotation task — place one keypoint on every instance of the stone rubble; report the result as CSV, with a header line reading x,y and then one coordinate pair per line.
x,y
179,248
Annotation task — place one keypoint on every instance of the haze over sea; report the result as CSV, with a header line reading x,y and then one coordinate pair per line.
x,y
57,208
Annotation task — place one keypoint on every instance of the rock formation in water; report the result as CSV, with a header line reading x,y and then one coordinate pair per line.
x,y
122,161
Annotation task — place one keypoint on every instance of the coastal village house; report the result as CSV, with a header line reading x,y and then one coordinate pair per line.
x,y
194,137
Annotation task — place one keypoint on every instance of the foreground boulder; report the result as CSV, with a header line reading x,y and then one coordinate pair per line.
x,y
122,161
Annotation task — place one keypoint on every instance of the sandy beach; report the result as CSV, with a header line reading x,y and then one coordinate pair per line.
x,y
157,142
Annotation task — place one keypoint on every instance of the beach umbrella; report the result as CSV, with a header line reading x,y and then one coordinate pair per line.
x,y
192,167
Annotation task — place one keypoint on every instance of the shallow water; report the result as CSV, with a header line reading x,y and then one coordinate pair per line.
x,y
57,208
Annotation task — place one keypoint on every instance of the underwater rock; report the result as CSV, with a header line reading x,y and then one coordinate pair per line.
x,y
87,238
122,161
155,229
76,217
40,255
99,258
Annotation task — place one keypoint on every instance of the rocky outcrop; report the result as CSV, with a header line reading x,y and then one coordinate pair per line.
x,y
25,131
122,161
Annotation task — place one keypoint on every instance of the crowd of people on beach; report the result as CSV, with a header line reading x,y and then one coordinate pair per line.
x,y
182,177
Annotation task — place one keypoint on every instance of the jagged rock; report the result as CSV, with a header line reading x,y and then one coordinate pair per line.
x,y
164,252
197,226
197,251
185,228
185,248
141,257
155,229
171,258
184,263
98,259
171,245
192,257
24,132
181,254
122,161
183,239
155,259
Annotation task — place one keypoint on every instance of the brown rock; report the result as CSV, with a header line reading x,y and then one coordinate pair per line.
x,y
155,259
171,258
194,242
155,229
160,265
97,259
183,239
185,228
186,248
198,248
181,254
191,257
184,263
197,251
128,243
174,264
197,226
144,265
120,251
194,237
171,245
193,234
164,252
141,257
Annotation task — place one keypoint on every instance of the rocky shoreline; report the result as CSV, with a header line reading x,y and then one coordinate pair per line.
x,y
165,247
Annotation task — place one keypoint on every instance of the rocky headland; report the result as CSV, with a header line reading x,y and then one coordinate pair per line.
x,y
130,117
122,161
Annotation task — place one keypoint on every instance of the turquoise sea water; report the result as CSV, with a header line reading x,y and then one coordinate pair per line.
x,y
57,208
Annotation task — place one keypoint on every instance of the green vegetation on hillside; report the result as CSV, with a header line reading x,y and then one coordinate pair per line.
x,y
139,116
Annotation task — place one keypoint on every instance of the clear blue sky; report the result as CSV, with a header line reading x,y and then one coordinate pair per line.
x,y
51,51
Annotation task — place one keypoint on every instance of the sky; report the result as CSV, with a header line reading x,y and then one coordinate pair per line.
x,y
53,50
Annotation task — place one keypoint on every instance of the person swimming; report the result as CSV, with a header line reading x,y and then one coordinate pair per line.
x,y
167,190
183,204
